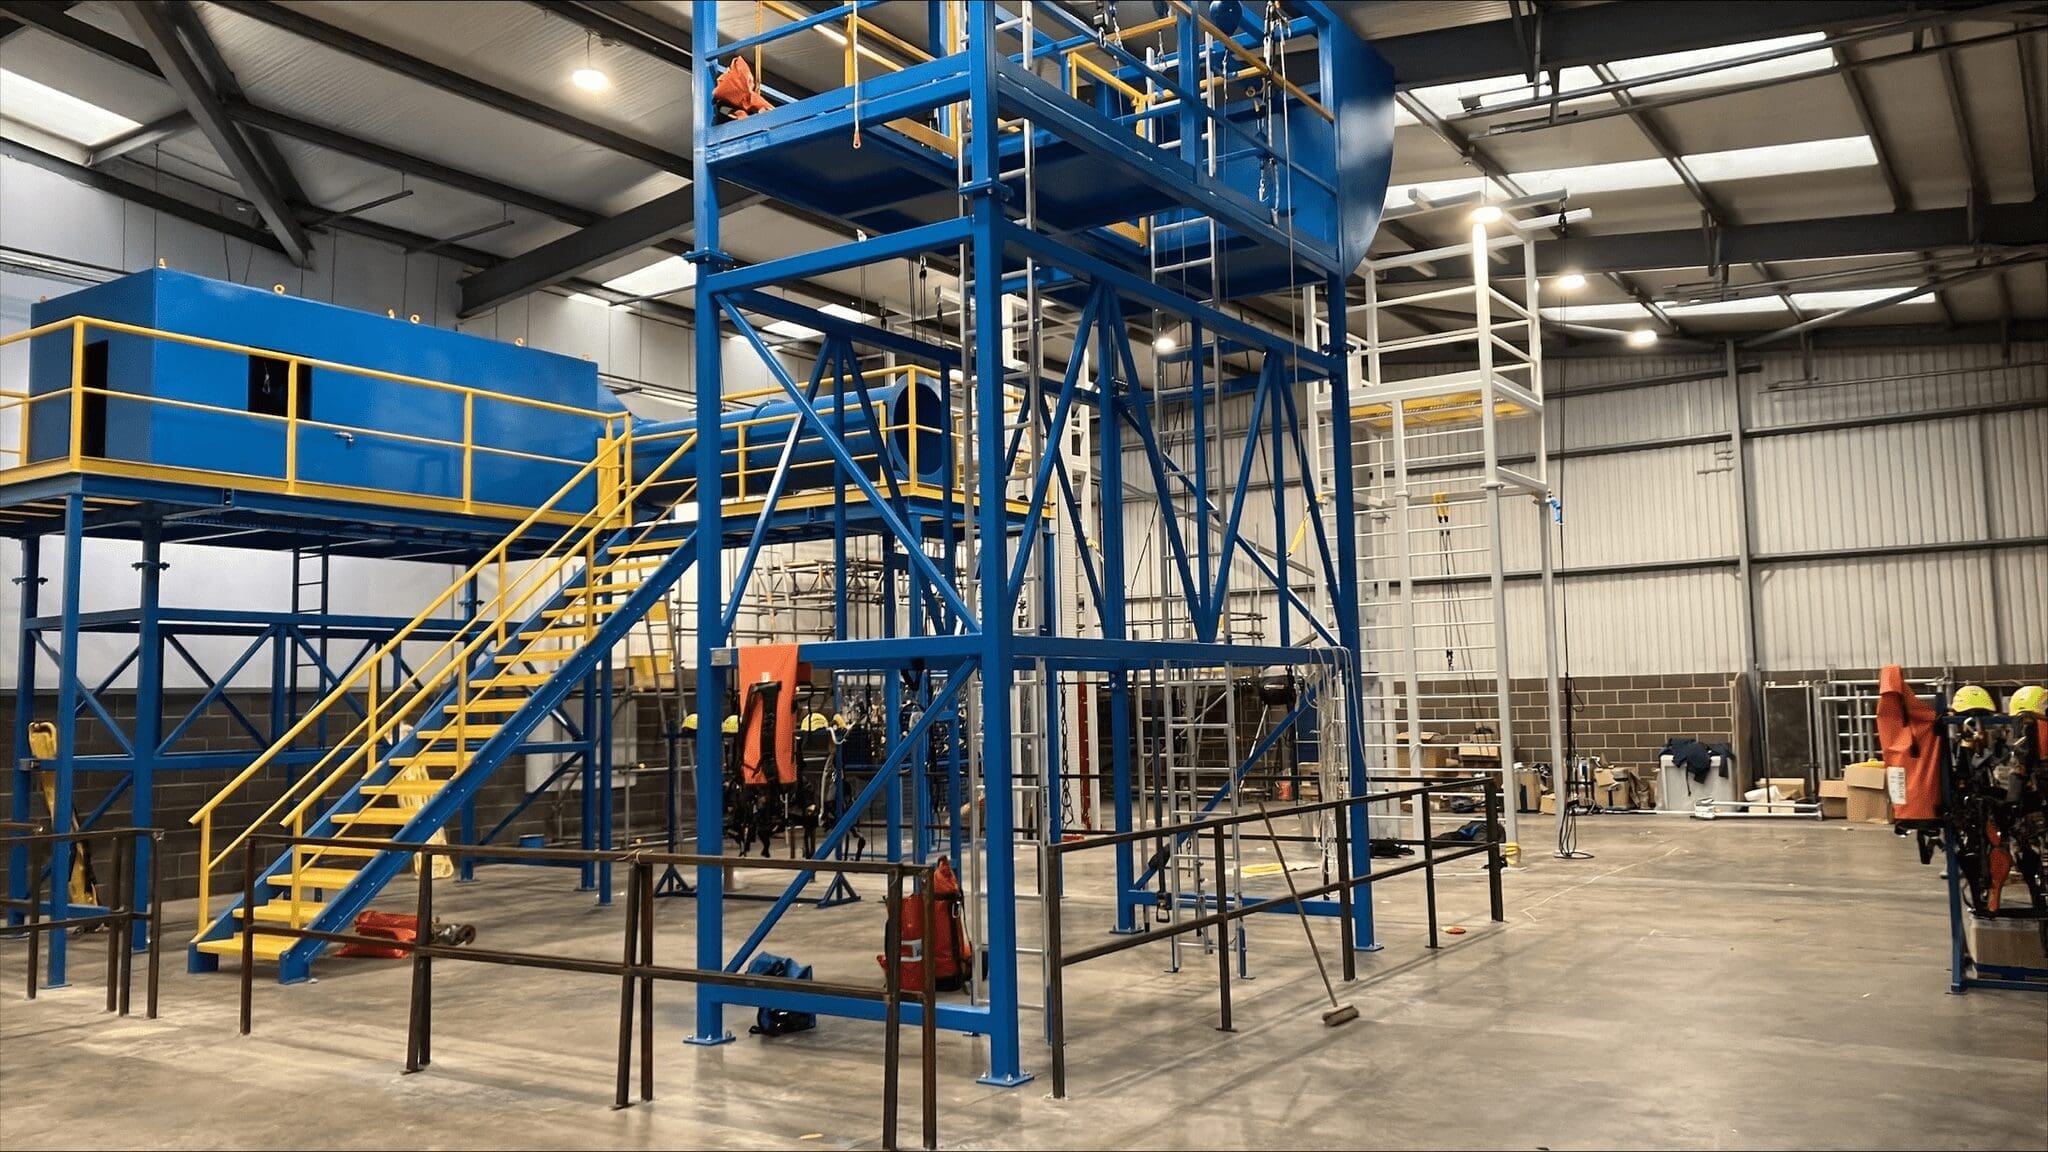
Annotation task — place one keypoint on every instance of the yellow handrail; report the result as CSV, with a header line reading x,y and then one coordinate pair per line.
x,y
294,422
373,731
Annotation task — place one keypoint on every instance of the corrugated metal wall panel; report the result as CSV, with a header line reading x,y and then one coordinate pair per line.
x,y
1890,484
1633,625
2016,455
1849,384
1667,504
1930,610
2022,579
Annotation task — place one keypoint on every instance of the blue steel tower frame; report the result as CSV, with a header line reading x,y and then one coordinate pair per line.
x,y
865,155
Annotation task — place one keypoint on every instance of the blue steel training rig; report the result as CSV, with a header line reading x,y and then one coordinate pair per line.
x,y
1208,178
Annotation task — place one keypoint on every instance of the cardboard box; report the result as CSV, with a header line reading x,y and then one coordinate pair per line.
x,y
1869,774
1868,806
1834,799
1613,795
2004,943
1528,790
1548,805
1793,787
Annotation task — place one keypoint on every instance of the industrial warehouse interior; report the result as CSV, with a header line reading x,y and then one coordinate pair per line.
x,y
1000,574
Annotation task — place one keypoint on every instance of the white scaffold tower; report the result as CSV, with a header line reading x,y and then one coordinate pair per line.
x,y
1435,504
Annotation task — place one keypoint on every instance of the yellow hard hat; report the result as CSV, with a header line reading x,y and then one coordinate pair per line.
x,y
816,721
690,722
1972,698
732,724
2031,700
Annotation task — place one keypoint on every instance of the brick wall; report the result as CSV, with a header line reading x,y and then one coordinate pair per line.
x,y
1621,719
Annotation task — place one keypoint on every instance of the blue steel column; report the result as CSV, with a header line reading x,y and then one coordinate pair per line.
x,y
607,812
1110,447
710,1027
1346,593
993,568
149,712
22,802
67,732
465,868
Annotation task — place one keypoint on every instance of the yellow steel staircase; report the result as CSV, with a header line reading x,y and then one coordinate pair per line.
x,y
424,744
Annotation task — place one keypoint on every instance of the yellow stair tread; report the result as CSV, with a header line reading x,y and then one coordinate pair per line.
x,y
280,911
315,877
523,679
639,546
501,704
630,564
566,632
468,732
578,610
309,852
267,947
385,815
405,788
434,758
531,656
608,589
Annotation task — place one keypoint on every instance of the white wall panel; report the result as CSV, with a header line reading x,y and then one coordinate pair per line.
x,y
1849,384
1632,625
2021,576
1929,610
2016,459
1868,487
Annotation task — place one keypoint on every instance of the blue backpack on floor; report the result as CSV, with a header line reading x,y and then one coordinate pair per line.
x,y
780,1021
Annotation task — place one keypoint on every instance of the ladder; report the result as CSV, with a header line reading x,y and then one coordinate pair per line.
x,y
311,587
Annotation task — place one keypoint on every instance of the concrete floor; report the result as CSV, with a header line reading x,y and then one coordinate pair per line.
x,y
1736,984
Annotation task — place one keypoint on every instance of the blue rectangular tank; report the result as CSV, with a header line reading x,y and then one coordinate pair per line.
x,y
356,431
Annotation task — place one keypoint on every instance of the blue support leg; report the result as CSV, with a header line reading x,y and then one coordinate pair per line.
x,y
149,715
22,799
67,735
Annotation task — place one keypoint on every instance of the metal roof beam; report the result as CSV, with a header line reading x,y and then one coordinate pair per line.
x,y
629,26
448,80
1491,168
143,137
1600,33
2021,225
184,18
138,194
629,231
152,26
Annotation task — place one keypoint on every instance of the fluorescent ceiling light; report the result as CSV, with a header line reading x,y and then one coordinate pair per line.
x,y
1642,338
657,279
1632,175
1852,297
845,313
1793,65
59,114
587,298
1588,312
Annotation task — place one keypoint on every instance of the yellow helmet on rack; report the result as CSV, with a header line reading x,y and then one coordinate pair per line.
x,y
1972,698
730,726
2029,701
816,721
690,722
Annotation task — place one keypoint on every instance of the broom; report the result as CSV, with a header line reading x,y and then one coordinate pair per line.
x,y
1338,1013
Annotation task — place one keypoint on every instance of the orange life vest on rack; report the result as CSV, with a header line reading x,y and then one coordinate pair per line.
x,y
1912,749
952,955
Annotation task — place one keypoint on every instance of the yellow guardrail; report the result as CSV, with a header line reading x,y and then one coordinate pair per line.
x,y
289,478
385,721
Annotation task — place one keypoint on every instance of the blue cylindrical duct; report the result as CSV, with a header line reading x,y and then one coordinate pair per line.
x,y
910,413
